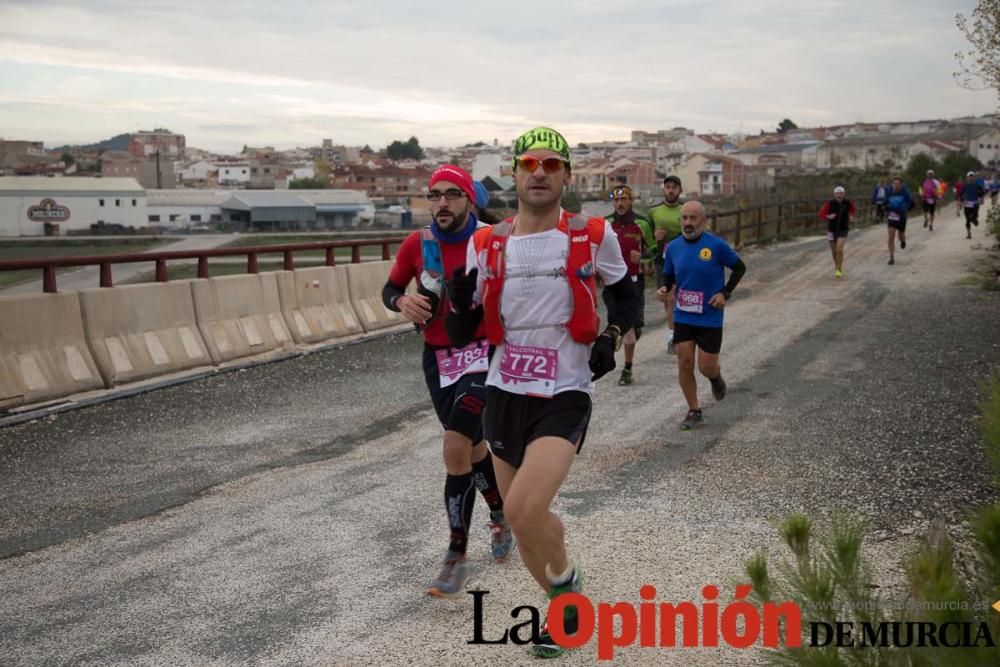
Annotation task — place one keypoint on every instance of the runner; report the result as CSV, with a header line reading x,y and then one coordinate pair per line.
x,y
456,375
879,196
837,213
635,238
666,218
993,186
959,188
696,263
899,205
972,198
929,198
532,279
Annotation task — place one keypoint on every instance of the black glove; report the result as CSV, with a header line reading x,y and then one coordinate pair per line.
x,y
461,289
602,355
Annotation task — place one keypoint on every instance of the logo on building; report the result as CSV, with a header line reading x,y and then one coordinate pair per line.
x,y
48,210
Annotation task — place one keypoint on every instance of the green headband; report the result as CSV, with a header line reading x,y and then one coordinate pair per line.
x,y
541,138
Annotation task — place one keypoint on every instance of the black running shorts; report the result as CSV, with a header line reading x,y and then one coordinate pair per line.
x,y
514,421
898,224
459,406
640,287
708,339
928,207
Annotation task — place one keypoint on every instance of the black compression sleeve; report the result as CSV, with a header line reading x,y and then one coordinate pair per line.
x,y
390,295
738,269
668,281
461,327
625,311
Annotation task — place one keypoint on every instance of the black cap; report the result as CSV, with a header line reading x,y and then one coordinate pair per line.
x,y
673,179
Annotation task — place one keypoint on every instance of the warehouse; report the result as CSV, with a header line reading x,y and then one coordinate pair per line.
x,y
43,206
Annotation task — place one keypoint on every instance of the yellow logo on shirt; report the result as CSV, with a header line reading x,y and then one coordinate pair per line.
x,y
705,254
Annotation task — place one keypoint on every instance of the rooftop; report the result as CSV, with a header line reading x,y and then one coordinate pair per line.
x,y
68,184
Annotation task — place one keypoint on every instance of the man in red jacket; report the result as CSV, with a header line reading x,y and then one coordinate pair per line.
x,y
456,376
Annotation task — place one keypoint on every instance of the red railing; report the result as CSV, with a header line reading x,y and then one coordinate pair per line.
x,y
742,226
49,265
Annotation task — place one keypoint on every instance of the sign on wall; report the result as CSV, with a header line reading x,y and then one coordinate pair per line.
x,y
48,210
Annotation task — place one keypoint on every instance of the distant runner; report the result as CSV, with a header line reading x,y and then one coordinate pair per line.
x,y
879,197
929,197
972,199
899,205
696,263
837,213
635,238
666,219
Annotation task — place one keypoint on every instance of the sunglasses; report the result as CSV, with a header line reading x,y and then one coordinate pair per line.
x,y
452,194
550,164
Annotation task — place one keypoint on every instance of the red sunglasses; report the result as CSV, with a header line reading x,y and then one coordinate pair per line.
x,y
550,164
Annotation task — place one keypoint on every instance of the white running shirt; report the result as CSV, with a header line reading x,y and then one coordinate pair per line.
x,y
537,301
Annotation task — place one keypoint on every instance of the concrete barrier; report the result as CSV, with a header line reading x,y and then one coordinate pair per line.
x,y
43,351
365,281
317,304
240,316
141,331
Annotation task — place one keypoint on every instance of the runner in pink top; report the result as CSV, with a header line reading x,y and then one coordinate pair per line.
x,y
930,193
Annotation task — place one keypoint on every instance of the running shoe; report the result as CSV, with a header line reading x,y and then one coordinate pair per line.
x,y
501,537
693,420
838,273
545,646
718,388
454,575
626,379
892,261
925,224
670,346
902,245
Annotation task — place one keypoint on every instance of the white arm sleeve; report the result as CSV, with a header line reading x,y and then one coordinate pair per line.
x,y
608,257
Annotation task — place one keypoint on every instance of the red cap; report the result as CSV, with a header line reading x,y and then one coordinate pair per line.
x,y
456,175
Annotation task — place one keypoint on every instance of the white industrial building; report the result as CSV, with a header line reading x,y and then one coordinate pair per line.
x,y
39,205
246,210
43,206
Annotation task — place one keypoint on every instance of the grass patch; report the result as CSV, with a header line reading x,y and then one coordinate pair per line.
x,y
67,248
832,582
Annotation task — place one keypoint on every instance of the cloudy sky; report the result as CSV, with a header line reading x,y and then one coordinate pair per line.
x,y
290,73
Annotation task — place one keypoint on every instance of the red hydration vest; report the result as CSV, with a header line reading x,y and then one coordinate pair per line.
x,y
580,232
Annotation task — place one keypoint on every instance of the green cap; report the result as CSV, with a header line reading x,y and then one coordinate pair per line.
x,y
541,138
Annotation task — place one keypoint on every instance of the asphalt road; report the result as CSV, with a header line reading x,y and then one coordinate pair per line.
x,y
290,514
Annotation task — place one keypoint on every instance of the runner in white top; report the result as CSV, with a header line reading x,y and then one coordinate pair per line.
x,y
536,305
540,382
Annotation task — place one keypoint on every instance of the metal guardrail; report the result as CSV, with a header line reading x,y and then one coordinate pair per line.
x,y
747,225
49,265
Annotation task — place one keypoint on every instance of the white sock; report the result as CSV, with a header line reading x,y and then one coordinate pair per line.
x,y
670,334
562,578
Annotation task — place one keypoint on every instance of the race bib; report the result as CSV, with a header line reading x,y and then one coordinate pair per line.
x,y
690,301
453,363
970,204
830,236
930,200
893,215
531,369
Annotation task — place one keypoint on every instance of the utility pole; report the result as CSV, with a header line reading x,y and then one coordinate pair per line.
x,y
159,177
